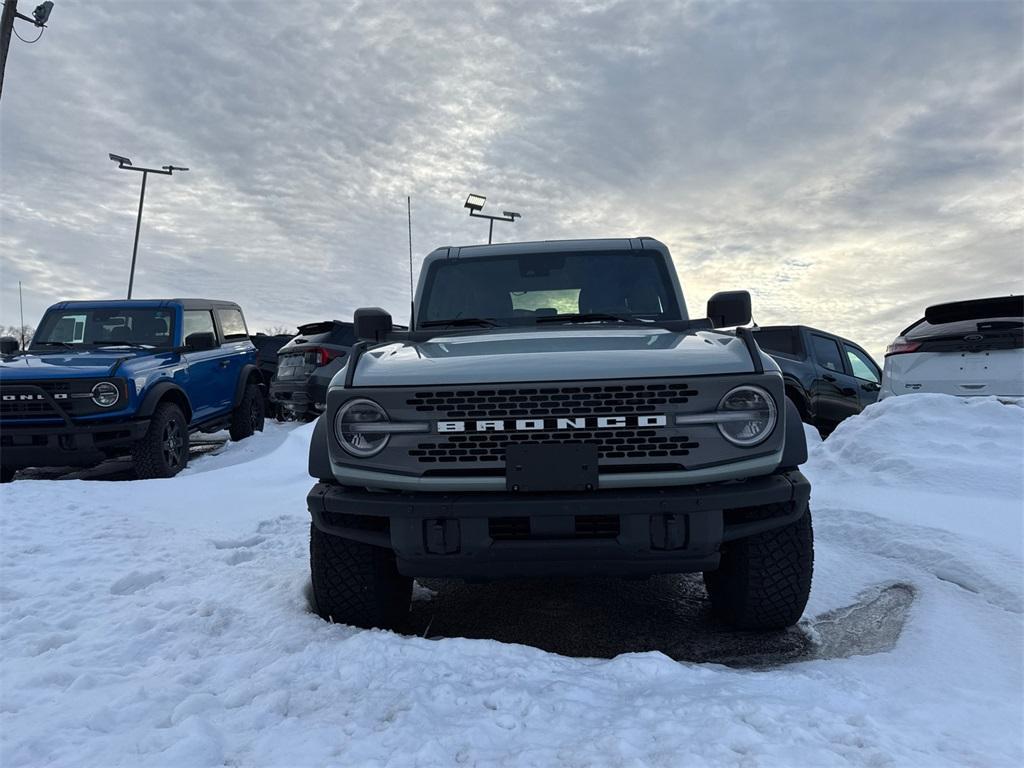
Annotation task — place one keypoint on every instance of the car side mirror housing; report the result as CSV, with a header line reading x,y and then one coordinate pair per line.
x,y
199,342
9,345
372,324
729,308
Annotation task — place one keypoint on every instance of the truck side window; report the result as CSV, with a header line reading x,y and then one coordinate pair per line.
x,y
827,352
198,321
232,323
860,365
782,341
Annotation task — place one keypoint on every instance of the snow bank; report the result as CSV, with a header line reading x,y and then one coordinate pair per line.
x,y
934,443
935,460
164,623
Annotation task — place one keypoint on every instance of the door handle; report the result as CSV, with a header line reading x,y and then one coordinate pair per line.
x,y
829,377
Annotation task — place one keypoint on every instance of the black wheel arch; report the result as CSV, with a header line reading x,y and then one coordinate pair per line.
x,y
249,374
166,391
795,451
319,453
797,392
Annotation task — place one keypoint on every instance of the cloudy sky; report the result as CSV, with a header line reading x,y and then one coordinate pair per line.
x,y
849,163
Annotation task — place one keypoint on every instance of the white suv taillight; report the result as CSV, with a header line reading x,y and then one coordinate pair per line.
x,y
901,346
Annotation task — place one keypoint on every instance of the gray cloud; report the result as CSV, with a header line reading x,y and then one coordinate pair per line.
x,y
849,163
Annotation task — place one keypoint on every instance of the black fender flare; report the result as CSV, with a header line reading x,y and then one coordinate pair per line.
x,y
794,453
320,452
249,371
796,385
158,392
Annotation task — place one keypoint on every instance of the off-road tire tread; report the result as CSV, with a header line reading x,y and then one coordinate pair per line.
x,y
763,581
147,453
356,583
241,427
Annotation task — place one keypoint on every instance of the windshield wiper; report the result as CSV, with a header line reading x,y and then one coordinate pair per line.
x,y
589,317
112,343
481,321
64,344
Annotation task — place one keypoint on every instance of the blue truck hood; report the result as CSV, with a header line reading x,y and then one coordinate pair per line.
x,y
65,365
558,354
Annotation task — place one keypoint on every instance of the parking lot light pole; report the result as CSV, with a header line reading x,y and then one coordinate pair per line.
x,y
475,203
126,165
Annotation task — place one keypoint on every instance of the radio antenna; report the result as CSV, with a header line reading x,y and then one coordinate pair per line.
x,y
21,305
412,300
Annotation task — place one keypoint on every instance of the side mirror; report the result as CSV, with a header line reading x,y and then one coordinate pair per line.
x,y
729,308
9,345
200,342
372,323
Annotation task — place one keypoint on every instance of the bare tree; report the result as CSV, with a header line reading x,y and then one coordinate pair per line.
x,y
278,330
23,333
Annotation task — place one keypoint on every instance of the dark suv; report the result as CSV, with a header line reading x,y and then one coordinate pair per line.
x,y
828,377
110,378
306,365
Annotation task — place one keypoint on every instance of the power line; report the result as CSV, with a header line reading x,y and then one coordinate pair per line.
x,y
30,42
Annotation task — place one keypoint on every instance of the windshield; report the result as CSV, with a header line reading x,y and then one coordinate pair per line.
x,y
105,327
524,288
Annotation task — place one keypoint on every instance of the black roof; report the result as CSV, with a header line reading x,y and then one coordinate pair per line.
x,y
183,303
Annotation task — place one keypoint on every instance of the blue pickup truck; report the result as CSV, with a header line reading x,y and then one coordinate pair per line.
x,y
113,378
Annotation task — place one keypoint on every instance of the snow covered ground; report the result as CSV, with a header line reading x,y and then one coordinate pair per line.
x,y
165,623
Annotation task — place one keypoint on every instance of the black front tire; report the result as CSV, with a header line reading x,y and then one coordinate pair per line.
x,y
763,581
248,417
7,474
163,451
356,583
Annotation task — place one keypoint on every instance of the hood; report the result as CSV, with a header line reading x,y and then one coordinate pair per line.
x,y
558,354
65,365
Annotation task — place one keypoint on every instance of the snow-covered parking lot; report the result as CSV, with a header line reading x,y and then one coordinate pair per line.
x,y
165,623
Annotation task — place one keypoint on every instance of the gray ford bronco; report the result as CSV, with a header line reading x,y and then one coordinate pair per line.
x,y
552,409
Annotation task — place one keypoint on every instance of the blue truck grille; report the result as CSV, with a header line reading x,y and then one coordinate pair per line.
x,y
49,400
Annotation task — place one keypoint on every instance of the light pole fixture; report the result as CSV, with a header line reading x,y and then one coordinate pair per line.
x,y
126,165
475,204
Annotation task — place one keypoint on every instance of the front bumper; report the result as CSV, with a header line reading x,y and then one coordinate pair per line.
x,y
635,532
77,445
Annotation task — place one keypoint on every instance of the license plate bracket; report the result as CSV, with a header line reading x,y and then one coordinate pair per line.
x,y
554,467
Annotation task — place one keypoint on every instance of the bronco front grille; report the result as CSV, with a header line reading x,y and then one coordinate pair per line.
x,y
537,402
611,444
14,406
630,444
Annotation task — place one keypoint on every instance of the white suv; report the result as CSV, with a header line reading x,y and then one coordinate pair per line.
x,y
966,348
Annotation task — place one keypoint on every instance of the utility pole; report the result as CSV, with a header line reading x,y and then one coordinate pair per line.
x,y
6,27
126,165
39,18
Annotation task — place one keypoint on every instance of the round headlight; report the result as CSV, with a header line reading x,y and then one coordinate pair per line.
x,y
748,416
105,394
351,423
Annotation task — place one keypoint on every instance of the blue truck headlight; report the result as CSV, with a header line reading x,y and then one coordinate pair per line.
x,y
746,416
357,426
105,394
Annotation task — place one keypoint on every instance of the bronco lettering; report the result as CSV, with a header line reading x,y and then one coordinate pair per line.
x,y
554,425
